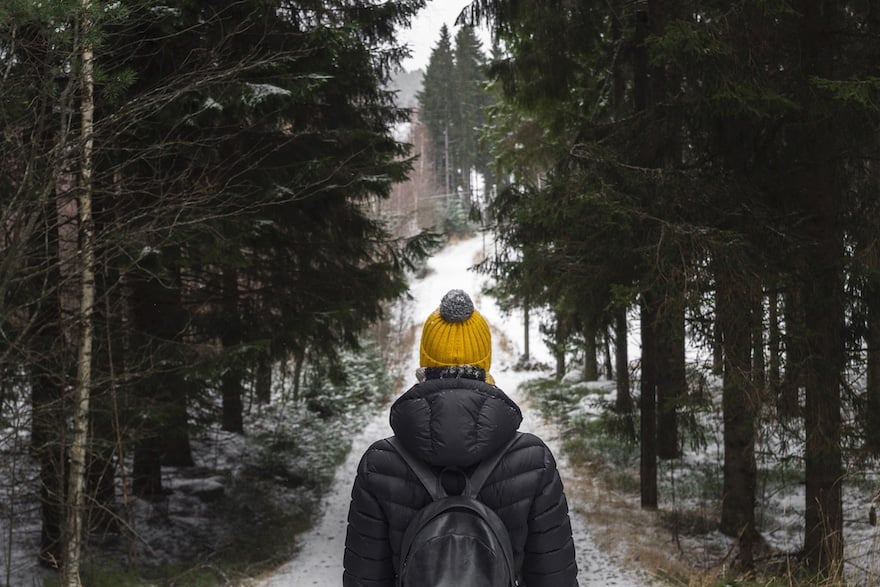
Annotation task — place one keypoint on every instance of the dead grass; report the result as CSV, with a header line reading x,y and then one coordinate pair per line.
x,y
658,541
619,525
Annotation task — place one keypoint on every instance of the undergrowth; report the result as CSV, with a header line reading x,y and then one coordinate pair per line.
x,y
273,479
594,442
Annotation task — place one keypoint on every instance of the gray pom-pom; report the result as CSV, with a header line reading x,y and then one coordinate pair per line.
x,y
456,306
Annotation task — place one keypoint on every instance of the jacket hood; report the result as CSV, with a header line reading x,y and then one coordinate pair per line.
x,y
454,422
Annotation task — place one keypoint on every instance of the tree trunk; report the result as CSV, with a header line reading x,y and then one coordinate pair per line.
x,y
870,252
591,362
264,378
648,408
106,448
176,448
607,362
298,361
759,364
82,391
739,405
46,442
823,308
648,385
623,403
48,381
823,543
101,467
171,387
717,349
158,321
872,384
146,475
526,327
671,376
230,382
560,338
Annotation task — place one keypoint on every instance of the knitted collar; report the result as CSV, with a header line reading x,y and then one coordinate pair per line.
x,y
451,372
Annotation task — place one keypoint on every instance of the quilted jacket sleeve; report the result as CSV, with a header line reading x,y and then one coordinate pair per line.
x,y
368,557
549,558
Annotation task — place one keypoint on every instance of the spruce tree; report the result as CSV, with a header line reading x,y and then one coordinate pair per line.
x,y
438,109
761,183
472,99
230,139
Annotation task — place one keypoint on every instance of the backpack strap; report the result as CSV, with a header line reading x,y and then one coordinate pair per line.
x,y
431,480
484,469
422,470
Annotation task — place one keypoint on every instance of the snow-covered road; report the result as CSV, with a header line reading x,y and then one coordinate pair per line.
x,y
319,561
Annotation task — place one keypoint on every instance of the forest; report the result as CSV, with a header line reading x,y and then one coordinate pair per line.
x,y
713,166
186,200
195,203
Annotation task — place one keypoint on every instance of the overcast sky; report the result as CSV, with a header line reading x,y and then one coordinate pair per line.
x,y
425,32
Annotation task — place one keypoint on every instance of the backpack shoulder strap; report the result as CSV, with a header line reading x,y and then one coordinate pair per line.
x,y
484,469
422,470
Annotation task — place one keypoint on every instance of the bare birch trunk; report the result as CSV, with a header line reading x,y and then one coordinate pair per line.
x,y
73,530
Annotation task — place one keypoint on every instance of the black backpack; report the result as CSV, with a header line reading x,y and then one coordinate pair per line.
x,y
456,540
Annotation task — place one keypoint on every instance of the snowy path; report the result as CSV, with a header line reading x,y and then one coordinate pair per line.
x,y
319,562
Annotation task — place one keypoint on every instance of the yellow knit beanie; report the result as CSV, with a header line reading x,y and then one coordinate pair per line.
x,y
456,334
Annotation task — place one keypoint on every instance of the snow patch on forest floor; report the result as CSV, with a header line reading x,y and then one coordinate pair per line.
x,y
618,543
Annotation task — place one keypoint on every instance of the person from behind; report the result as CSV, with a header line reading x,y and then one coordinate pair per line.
x,y
453,419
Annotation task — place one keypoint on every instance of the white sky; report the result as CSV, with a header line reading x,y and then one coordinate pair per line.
x,y
425,32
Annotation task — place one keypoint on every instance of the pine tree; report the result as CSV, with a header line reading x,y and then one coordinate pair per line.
x,y
472,99
760,162
437,108
230,139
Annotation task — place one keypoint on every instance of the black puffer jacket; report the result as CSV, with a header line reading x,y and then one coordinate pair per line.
x,y
459,422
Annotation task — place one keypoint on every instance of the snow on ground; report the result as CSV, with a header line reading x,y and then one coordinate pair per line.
x,y
319,562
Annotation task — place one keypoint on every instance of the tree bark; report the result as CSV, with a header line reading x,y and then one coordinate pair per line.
x,y
299,359
106,449
46,442
607,361
648,408
872,384
623,403
82,392
870,252
48,381
648,385
171,387
146,474
263,383
230,382
759,363
158,320
671,376
822,288
823,543
591,362
739,407
560,337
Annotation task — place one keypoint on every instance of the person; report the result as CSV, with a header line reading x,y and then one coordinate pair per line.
x,y
455,416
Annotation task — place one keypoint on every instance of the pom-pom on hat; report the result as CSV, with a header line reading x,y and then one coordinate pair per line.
x,y
456,334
